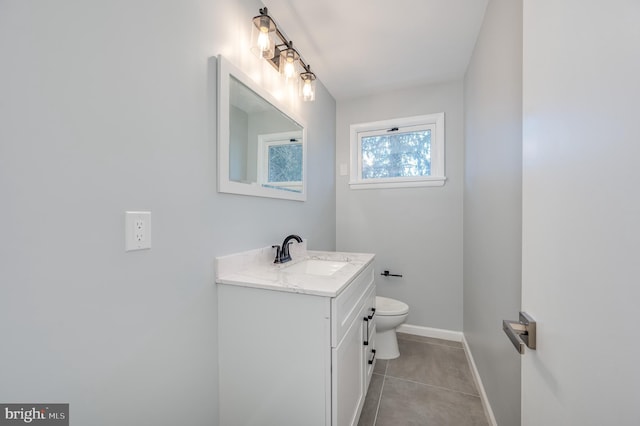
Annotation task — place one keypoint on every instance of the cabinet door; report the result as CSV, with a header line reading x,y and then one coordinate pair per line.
x,y
348,370
274,358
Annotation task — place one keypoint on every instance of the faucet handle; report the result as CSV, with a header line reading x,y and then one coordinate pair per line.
x,y
277,247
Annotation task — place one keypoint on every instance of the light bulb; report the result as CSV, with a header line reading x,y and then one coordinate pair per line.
x,y
289,69
307,90
262,31
263,39
307,85
288,58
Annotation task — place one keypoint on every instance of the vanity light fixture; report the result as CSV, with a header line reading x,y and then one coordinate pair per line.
x,y
282,56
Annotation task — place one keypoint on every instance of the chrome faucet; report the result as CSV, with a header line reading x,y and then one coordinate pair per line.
x,y
282,253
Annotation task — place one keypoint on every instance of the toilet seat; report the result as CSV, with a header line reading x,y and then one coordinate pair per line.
x,y
387,307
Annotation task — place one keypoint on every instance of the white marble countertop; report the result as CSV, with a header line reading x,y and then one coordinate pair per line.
x,y
255,268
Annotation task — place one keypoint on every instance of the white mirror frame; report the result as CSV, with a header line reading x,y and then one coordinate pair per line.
x,y
225,70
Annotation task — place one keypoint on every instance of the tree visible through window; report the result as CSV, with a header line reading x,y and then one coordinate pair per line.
x,y
285,163
397,155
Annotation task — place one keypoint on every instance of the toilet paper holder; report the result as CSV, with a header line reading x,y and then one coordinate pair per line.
x,y
522,332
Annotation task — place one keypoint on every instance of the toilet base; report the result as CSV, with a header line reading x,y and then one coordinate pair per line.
x,y
387,345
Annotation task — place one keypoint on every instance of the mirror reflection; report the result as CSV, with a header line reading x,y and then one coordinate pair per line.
x,y
265,146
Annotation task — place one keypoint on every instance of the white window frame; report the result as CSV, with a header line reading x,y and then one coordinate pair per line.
x,y
433,122
264,142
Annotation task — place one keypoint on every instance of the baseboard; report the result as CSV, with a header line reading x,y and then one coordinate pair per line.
x,y
437,333
476,376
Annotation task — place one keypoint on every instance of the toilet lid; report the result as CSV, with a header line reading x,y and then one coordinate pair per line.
x,y
387,306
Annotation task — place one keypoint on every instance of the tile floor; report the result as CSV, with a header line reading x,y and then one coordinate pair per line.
x,y
430,384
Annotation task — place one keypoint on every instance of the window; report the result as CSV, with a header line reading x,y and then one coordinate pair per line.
x,y
404,152
280,160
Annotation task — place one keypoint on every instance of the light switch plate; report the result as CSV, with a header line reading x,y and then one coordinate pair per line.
x,y
137,230
343,169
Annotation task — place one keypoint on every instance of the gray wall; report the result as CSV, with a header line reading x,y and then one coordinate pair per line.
x,y
492,203
106,107
414,231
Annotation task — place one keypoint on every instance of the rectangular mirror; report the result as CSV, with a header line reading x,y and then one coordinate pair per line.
x,y
261,145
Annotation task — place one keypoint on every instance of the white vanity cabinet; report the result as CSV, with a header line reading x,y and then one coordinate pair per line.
x,y
352,359
294,358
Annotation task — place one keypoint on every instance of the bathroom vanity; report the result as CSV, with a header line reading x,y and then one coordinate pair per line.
x,y
297,340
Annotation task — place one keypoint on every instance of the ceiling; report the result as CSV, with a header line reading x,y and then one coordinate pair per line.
x,y
361,47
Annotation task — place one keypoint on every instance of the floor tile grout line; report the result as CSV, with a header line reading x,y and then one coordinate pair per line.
x,y
426,384
384,378
434,388
431,386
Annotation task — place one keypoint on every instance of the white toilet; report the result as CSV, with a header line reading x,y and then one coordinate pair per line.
x,y
390,313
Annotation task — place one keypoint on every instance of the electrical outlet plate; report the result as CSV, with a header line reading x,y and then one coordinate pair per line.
x,y
137,231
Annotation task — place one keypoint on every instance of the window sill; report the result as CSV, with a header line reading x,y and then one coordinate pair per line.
x,y
435,181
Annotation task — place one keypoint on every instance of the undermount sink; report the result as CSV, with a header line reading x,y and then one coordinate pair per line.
x,y
316,267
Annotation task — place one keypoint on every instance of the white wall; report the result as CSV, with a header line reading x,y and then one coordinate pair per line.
x,y
413,231
492,203
106,106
